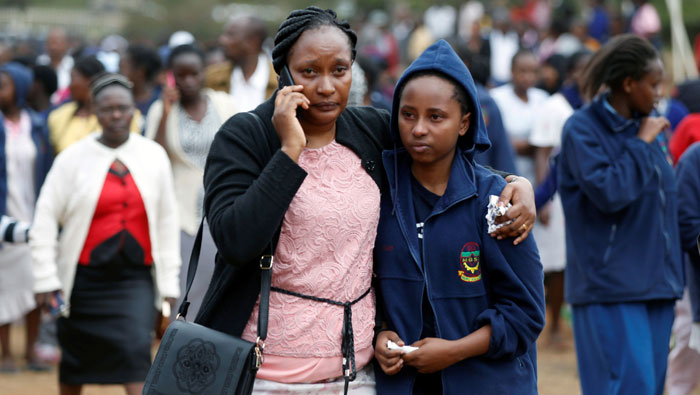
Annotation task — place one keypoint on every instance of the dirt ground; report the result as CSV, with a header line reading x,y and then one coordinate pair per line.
x,y
557,373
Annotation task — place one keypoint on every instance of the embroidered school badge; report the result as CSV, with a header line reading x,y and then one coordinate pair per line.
x,y
469,259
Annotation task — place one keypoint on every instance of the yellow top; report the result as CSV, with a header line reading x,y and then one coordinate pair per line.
x,y
65,128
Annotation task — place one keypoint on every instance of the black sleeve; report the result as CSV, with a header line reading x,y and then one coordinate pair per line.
x,y
249,183
499,173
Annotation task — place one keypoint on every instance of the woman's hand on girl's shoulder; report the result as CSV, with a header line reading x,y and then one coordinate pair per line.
x,y
389,360
520,194
285,120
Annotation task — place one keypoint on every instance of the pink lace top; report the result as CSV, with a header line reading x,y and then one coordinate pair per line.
x,y
324,250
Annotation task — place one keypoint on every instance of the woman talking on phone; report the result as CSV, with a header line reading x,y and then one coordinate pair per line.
x,y
301,177
184,122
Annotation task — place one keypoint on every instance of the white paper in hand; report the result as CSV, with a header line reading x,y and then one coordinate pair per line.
x,y
493,211
694,342
406,349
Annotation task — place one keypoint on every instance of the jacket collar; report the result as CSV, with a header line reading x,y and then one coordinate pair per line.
x,y
460,187
610,117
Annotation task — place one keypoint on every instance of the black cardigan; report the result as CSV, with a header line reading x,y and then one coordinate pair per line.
x,y
249,183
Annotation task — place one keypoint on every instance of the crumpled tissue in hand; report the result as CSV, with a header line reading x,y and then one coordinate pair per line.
x,y
493,211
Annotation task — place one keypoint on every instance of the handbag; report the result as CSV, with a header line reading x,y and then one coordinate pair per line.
x,y
194,359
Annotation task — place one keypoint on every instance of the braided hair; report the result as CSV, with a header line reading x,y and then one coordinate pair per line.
x,y
300,21
624,56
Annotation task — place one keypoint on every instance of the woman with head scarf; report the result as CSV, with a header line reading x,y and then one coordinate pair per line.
x,y
116,255
25,158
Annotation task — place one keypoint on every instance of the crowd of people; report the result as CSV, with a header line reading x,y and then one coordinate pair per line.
x,y
368,176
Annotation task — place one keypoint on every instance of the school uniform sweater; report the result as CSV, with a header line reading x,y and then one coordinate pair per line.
x,y
469,278
620,200
688,173
68,200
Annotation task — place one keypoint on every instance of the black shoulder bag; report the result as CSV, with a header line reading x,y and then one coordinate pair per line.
x,y
194,359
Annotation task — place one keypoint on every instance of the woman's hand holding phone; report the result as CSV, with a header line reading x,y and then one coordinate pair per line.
x,y
285,120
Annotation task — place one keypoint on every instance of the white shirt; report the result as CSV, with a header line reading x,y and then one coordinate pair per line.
x,y
519,119
20,153
62,73
503,47
248,94
549,121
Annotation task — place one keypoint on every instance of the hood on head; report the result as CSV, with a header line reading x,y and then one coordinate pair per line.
x,y
22,77
442,58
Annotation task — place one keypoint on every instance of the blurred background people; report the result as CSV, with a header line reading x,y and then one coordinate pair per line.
x,y
504,45
518,102
25,158
44,86
142,66
58,58
76,119
184,121
112,196
248,76
549,230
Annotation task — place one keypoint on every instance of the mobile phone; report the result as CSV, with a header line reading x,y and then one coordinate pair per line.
x,y
285,78
170,79
57,305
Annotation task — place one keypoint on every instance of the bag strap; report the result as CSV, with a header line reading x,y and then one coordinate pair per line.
x,y
265,274
191,270
265,281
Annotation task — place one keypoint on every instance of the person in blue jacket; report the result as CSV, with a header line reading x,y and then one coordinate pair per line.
x,y
25,159
618,189
473,305
501,154
688,174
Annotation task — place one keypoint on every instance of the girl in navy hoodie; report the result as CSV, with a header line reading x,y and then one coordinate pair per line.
x,y
618,190
473,305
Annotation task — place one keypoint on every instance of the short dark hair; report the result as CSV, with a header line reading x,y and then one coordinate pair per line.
x,y
47,77
89,66
577,57
521,52
300,21
258,29
623,56
459,94
185,49
145,57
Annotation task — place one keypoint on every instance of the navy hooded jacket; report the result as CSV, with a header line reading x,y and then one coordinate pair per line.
x,y
620,202
688,173
471,279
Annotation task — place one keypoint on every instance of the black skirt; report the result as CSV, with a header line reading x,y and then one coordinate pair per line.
x,y
107,337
